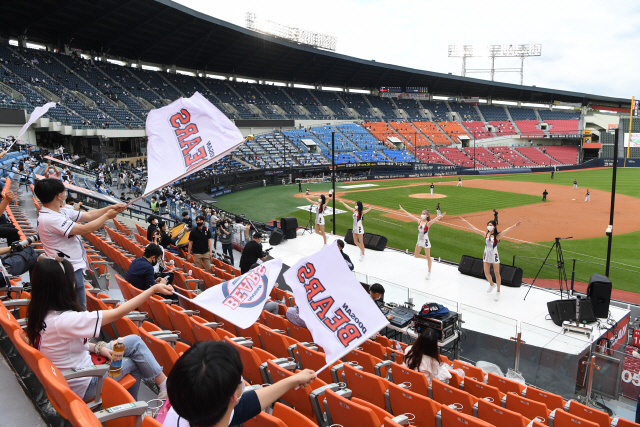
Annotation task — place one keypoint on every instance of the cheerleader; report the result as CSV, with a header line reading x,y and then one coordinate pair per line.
x,y
424,222
491,239
358,230
320,206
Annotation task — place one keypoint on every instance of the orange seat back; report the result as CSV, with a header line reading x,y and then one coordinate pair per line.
x,y
419,383
366,386
579,410
405,401
553,401
447,395
528,408
452,418
482,390
498,416
290,417
349,413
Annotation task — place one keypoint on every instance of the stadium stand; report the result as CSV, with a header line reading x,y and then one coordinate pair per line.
x,y
536,156
385,105
453,129
305,98
458,157
477,130
486,158
431,131
438,109
429,155
411,107
335,104
567,155
513,157
466,112
410,133
360,137
277,97
359,103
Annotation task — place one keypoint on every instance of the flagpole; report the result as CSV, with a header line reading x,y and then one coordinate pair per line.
x,y
333,180
630,127
349,350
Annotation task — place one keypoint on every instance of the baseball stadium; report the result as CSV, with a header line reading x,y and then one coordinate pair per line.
x,y
489,231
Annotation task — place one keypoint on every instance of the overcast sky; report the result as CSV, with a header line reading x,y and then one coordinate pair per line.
x,y
587,46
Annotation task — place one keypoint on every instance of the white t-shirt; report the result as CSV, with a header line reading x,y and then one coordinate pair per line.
x,y
64,342
54,228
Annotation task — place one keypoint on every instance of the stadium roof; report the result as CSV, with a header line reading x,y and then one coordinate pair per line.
x,y
164,32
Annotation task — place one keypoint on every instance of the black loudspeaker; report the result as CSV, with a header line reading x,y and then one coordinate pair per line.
x,y
377,242
561,310
289,226
471,266
348,238
371,241
509,275
276,237
599,292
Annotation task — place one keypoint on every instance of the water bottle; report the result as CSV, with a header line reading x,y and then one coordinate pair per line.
x,y
398,346
116,359
283,301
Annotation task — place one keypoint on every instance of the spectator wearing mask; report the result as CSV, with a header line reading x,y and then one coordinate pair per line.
x,y
293,316
141,274
162,203
59,328
186,219
214,220
224,234
200,244
51,171
154,206
59,228
205,388
158,269
251,253
153,226
71,204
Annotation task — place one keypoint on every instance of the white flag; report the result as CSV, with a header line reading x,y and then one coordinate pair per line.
x,y
35,115
241,299
337,310
184,137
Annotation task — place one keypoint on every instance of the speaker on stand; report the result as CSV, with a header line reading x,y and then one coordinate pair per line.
x,y
599,293
289,227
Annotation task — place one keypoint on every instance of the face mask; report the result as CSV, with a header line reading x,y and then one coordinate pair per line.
x,y
226,226
319,200
490,227
423,216
199,224
154,262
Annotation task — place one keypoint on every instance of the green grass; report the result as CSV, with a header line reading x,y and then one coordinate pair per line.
x,y
459,200
263,204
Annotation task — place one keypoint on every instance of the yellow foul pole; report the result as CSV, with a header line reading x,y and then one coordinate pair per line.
x,y
630,124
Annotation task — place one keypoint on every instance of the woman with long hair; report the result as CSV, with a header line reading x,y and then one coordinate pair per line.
x,y
424,222
358,230
153,226
60,329
320,206
491,239
423,356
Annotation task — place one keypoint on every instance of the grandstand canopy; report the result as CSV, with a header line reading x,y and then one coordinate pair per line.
x,y
164,32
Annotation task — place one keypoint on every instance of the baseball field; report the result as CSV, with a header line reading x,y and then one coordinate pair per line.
x,y
516,197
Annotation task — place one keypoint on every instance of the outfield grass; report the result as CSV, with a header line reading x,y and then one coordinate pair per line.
x,y
263,204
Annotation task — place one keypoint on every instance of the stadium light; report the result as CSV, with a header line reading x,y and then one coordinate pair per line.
x,y
494,51
294,34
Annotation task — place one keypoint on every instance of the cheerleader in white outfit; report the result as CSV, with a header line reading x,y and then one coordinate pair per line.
x,y
320,207
358,230
424,223
491,239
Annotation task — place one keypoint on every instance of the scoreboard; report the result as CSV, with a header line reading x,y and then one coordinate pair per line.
x,y
416,89
391,89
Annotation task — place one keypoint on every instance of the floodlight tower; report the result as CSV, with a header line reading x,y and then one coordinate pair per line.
x,y
294,34
494,51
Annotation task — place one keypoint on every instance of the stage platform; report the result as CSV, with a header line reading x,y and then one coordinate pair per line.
x,y
403,277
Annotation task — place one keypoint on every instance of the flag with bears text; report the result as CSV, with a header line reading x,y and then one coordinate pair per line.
x,y
184,137
339,313
241,299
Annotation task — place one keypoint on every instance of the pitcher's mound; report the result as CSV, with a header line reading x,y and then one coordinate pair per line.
x,y
427,196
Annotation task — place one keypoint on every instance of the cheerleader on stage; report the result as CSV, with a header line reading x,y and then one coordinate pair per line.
x,y
320,207
491,239
358,230
424,222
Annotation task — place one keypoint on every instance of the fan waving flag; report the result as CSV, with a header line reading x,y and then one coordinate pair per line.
x,y
337,310
35,115
184,137
241,299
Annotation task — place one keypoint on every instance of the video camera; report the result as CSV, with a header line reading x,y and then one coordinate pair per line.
x,y
19,246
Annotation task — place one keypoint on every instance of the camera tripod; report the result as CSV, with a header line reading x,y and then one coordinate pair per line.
x,y
562,274
311,224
